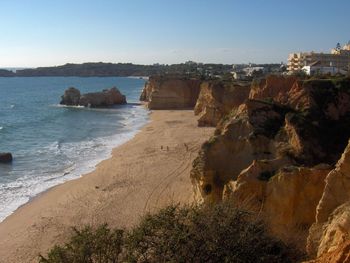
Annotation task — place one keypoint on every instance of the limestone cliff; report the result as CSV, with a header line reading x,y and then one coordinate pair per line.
x,y
272,87
273,153
168,92
217,99
332,226
287,197
300,129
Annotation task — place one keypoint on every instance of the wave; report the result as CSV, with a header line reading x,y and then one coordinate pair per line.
x,y
108,109
61,161
67,106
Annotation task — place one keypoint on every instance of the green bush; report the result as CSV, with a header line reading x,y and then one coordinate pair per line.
x,y
88,245
219,233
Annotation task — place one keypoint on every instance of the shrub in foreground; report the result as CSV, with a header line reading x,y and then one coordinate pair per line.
x,y
220,233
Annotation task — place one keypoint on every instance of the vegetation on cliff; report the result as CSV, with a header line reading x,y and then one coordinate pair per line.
x,y
220,233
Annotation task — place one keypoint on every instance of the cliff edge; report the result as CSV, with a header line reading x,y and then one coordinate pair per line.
x,y
169,92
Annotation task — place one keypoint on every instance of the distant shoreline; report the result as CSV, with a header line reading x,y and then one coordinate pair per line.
x,y
101,69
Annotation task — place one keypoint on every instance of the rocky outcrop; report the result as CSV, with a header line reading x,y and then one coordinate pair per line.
x,y
332,226
285,195
217,99
299,129
169,92
104,98
5,158
273,153
72,97
242,139
272,87
341,254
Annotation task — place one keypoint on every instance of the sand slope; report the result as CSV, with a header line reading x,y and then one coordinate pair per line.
x,y
139,177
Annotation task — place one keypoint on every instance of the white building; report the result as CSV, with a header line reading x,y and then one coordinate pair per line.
x,y
317,68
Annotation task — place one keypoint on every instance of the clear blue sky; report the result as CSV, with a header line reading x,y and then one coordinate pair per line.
x,y
42,33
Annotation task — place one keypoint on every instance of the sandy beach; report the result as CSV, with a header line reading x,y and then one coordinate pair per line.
x,y
144,174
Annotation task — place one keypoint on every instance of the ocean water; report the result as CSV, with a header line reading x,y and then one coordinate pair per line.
x,y
52,144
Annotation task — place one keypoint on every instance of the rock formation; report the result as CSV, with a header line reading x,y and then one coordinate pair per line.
x,y
341,254
241,140
300,129
5,157
72,97
273,152
287,197
217,99
272,87
168,92
332,226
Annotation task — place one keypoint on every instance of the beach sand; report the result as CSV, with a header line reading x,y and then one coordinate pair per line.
x,y
144,174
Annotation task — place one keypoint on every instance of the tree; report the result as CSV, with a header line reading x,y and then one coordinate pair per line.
x,y
338,47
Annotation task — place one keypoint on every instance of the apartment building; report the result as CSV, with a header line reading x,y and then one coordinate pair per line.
x,y
339,58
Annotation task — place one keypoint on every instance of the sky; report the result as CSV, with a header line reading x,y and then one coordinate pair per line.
x,y
46,33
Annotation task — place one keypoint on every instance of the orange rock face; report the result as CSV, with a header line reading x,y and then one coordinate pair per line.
x,y
286,196
166,92
274,87
332,226
275,153
217,99
340,255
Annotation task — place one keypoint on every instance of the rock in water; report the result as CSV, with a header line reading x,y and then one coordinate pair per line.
x,y
71,97
5,157
104,98
107,97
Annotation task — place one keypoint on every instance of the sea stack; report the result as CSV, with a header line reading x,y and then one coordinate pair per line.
x,y
5,158
105,98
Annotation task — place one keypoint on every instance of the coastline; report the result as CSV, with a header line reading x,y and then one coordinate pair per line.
x,y
87,165
147,172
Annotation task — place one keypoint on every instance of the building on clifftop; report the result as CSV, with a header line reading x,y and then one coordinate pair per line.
x,y
338,61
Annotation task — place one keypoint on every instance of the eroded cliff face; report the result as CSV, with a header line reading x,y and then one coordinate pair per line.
x,y
301,129
217,99
284,194
241,140
274,87
273,152
332,226
166,92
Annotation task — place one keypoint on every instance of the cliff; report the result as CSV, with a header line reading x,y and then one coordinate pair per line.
x,y
167,92
272,87
331,229
274,153
217,99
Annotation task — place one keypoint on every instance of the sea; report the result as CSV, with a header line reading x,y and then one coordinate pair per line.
x,y
51,143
